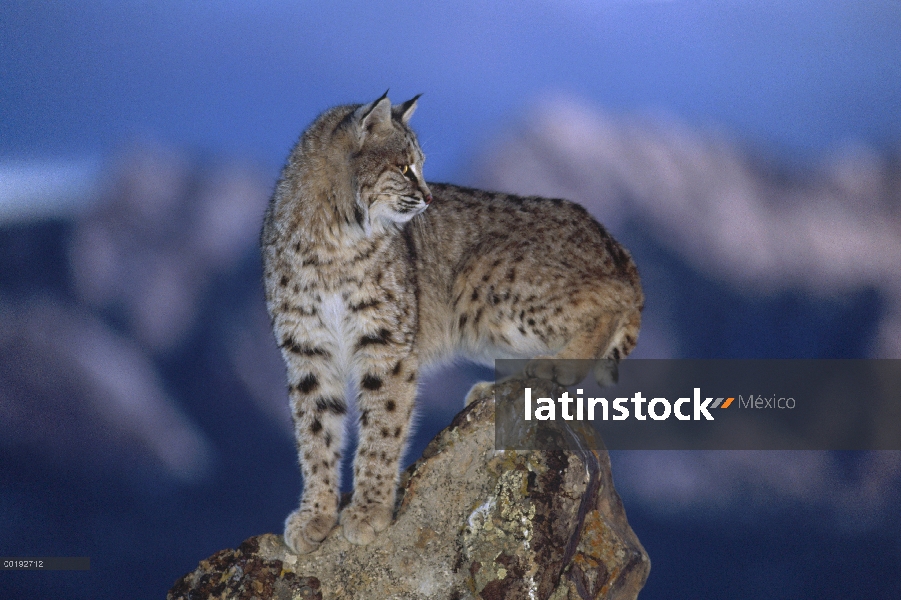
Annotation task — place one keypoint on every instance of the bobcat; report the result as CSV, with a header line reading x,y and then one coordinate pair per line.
x,y
372,274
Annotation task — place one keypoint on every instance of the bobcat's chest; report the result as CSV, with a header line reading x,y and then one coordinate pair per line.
x,y
352,302
337,326
363,299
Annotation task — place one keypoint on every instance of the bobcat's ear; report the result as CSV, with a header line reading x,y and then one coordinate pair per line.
x,y
405,111
375,115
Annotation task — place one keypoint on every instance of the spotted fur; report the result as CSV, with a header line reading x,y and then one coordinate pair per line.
x,y
364,284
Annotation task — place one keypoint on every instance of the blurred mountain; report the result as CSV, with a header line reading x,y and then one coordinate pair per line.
x,y
78,394
141,270
138,372
34,190
741,257
733,215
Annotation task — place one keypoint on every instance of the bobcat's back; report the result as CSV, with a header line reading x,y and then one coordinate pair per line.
x,y
500,272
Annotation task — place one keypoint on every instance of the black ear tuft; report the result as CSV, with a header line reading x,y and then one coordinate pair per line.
x,y
375,115
405,111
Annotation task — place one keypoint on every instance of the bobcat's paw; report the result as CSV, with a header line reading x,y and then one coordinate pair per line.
x,y
361,523
479,390
304,530
563,372
606,372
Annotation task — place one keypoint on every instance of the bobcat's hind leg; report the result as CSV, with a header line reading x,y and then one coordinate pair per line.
x,y
598,348
552,369
625,336
606,372
571,364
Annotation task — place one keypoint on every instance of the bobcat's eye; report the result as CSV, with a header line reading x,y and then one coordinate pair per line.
x,y
404,169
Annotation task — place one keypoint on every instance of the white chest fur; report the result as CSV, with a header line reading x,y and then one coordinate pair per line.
x,y
333,312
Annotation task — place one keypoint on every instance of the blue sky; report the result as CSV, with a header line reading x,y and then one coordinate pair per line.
x,y
801,77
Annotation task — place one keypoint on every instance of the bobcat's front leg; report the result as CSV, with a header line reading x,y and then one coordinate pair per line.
x,y
387,393
318,407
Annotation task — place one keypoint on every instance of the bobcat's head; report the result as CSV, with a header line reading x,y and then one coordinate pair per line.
x,y
386,164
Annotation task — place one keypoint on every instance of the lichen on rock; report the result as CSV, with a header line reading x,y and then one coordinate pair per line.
x,y
471,522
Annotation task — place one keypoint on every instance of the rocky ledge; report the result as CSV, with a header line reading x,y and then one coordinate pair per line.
x,y
471,522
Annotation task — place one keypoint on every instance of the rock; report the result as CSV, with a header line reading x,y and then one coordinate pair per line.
x,y
472,522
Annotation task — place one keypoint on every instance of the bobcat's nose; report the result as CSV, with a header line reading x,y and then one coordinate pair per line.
x,y
428,199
